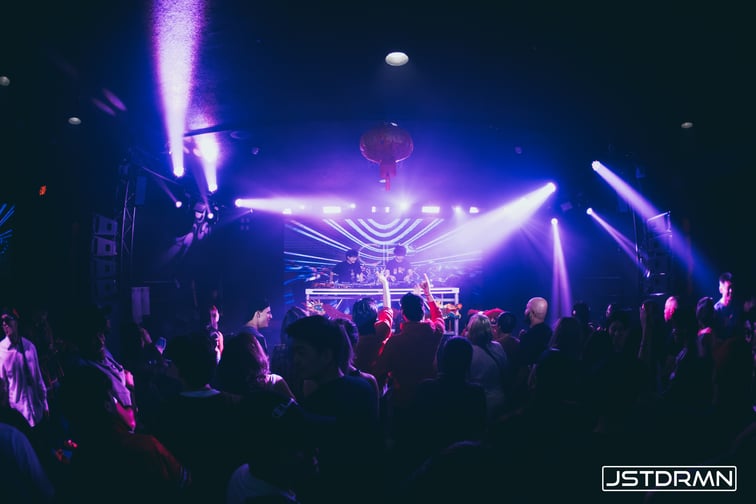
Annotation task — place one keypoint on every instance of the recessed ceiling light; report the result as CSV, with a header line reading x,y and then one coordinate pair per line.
x,y
397,59
686,125
4,80
74,121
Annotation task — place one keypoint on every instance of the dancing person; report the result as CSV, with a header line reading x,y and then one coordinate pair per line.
x,y
373,325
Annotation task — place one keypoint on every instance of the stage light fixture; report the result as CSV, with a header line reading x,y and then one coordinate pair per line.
x,y
177,29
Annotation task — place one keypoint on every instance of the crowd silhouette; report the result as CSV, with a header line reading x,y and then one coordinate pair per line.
x,y
382,405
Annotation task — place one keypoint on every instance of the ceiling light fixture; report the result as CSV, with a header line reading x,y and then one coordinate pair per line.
x,y
397,58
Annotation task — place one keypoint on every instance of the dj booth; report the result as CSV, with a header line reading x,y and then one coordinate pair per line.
x,y
443,295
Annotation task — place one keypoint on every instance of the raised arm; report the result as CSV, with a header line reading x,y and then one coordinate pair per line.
x,y
437,318
383,278
385,322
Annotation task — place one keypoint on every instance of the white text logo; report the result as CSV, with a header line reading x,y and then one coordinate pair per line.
x,y
669,478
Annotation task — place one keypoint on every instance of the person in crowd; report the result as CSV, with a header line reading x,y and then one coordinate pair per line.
x,y
709,328
261,317
729,311
535,339
687,379
92,327
611,311
245,368
373,325
214,332
653,344
23,479
350,329
503,330
489,367
281,359
138,349
19,369
321,352
10,415
671,305
448,408
110,462
279,462
581,311
625,333
409,356
503,334
49,349
566,349
202,426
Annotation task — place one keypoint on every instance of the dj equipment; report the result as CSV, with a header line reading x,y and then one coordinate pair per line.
x,y
442,295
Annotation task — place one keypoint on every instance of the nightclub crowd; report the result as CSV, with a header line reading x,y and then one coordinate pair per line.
x,y
384,404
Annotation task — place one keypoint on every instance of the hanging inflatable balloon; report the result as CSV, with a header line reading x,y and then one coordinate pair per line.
x,y
386,145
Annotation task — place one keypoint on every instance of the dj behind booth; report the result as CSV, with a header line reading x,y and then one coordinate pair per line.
x,y
400,271
350,270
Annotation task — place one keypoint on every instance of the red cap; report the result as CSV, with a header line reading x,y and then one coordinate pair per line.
x,y
493,313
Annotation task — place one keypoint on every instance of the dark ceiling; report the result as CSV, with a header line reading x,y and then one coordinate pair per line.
x,y
497,96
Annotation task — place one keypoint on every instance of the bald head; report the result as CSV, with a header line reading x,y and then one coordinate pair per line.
x,y
670,307
536,310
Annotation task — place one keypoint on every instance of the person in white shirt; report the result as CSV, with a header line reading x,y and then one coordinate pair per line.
x,y
19,367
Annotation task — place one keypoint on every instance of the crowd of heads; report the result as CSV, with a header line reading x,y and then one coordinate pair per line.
x,y
683,364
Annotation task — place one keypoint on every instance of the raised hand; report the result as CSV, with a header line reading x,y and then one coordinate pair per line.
x,y
426,285
382,276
